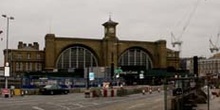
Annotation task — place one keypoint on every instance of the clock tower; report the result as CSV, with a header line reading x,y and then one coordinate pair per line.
x,y
109,45
110,28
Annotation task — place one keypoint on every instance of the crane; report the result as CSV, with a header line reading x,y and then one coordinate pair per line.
x,y
1,33
213,46
175,40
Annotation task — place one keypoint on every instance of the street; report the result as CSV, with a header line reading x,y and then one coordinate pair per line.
x,y
76,101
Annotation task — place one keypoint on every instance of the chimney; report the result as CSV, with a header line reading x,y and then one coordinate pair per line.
x,y
20,45
24,45
29,45
36,45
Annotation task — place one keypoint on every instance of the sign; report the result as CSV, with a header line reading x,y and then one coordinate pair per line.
x,y
91,76
5,91
7,71
118,70
141,76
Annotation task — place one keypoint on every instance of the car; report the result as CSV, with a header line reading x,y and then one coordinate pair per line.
x,y
53,89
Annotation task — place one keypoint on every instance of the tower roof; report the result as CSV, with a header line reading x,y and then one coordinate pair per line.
x,y
110,22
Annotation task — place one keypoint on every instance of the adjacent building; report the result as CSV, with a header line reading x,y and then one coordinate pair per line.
x,y
27,57
210,66
205,65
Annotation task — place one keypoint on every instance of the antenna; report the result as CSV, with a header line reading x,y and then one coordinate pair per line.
x,y
110,16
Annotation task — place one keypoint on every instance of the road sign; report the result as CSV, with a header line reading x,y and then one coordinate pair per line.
x,y
7,71
91,76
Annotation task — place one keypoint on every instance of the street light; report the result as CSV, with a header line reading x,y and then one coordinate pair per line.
x,y
7,56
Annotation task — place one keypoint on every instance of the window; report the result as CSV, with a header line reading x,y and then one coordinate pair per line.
x,y
21,66
17,66
38,67
76,57
30,66
135,57
26,66
19,56
28,56
38,56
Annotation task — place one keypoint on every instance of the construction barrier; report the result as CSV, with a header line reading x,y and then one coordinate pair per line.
x,y
94,94
109,92
6,93
17,92
105,92
112,93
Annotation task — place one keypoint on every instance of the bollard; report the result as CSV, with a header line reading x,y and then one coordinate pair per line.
x,y
150,91
94,94
105,93
26,92
158,89
143,92
22,93
87,94
12,93
112,93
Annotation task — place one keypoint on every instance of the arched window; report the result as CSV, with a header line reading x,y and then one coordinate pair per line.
x,y
76,57
135,57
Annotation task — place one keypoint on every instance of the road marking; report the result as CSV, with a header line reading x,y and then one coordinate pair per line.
x,y
137,105
37,108
58,105
143,104
95,103
77,104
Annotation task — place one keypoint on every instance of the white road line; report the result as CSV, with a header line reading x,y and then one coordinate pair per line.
x,y
77,104
143,104
64,107
137,105
37,108
95,103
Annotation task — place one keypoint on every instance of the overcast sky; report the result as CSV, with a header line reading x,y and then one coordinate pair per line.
x,y
141,20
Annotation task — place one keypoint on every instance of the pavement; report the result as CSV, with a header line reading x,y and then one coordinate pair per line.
x,y
214,104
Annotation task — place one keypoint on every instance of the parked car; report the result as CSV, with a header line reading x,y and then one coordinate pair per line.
x,y
53,89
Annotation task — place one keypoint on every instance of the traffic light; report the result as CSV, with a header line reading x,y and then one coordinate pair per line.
x,y
195,65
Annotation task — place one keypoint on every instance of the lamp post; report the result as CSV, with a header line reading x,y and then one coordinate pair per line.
x,y
8,18
165,93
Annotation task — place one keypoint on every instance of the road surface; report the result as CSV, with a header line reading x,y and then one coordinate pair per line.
x,y
77,101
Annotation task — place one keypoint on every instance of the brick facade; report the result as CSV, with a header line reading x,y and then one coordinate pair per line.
x,y
105,48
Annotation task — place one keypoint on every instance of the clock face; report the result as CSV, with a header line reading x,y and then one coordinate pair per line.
x,y
111,30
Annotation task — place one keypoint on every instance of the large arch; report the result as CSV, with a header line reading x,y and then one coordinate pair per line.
x,y
76,57
136,56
